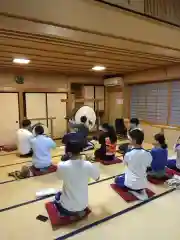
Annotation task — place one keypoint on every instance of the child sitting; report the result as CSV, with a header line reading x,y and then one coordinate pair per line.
x,y
108,141
75,173
83,129
23,139
41,159
159,157
68,137
121,129
134,124
137,160
41,146
175,163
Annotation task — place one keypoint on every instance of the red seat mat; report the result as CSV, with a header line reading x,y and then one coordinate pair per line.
x,y
172,172
57,219
37,172
169,173
127,196
116,160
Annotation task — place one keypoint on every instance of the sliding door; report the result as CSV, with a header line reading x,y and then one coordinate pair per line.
x,y
57,109
9,118
36,107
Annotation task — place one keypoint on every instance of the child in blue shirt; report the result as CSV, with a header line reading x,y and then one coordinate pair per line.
x,y
41,160
41,146
159,157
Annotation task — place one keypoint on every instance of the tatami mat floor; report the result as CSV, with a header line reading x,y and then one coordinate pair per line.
x,y
18,222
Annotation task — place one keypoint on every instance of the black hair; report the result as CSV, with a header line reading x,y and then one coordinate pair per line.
x,y
74,147
120,127
135,121
39,130
83,119
159,137
137,135
111,133
26,123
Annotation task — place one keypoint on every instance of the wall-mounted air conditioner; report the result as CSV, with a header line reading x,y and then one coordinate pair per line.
x,y
116,81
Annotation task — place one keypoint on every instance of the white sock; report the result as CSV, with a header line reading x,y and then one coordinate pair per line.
x,y
140,195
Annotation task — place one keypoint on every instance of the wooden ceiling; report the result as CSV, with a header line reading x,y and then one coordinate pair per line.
x,y
60,54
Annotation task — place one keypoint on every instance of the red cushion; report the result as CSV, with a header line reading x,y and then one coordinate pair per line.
x,y
169,173
57,219
37,172
126,195
157,181
172,172
9,148
116,160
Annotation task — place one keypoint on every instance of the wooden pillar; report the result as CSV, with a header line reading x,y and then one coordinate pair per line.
x,y
21,107
106,106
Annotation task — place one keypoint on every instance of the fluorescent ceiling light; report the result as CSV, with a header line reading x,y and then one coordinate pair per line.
x,y
21,61
98,68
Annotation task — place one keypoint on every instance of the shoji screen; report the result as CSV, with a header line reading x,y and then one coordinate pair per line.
x,y
162,103
175,104
56,108
36,106
150,102
138,102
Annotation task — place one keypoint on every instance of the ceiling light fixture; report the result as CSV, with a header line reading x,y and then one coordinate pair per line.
x,y
21,61
98,68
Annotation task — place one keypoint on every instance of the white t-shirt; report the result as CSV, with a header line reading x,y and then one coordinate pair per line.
x,y
75,175
23,141
41,146
137,161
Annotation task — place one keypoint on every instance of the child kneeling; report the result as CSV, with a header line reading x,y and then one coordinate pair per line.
x,y
137,161
108,142
41,160
159,157
75,173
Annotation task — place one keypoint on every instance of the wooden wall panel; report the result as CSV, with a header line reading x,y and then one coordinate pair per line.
x,y
100,93
89,94
115,105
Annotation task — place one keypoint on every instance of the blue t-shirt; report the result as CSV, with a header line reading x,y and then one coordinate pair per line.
x,y
160,157
41,146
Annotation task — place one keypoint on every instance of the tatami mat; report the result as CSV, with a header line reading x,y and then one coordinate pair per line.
x,y
157,220
21,223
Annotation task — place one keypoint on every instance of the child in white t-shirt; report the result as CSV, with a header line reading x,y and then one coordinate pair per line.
x,y
137,161
75,173
133,124
23,139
